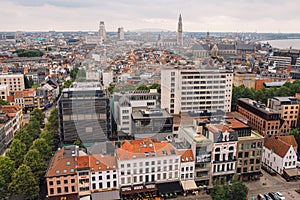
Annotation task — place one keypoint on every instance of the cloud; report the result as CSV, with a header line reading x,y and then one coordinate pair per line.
x,y
198,15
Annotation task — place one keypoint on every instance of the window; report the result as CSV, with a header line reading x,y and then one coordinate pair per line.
x,y
65,181
58,182
51,191
108,184
115,184
50,182
58,190
107,176
66,189
73,188
72,180
100,185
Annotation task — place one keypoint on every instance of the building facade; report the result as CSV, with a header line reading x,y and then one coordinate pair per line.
x,y
190,89
15,82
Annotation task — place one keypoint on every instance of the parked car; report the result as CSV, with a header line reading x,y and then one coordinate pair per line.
x,y
267,197
273,196
280,196
261,197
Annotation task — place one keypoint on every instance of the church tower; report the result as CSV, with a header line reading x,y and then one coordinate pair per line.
x,y
102,31
179,32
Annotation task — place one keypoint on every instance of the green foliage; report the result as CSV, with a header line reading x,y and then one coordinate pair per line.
x,y
78,143
74,72
142,87
29,53
38,115
235,191
33,127
25,137
294,132
155,86
3,102
24,183
16,152
7,168
111,89
67,84
48,137
35,86
28,82
43,147
38,165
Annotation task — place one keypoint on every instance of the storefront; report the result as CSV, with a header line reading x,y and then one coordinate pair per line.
x,y
139,191
169,189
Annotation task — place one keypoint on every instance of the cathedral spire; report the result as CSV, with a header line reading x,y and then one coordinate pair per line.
x,y
179,32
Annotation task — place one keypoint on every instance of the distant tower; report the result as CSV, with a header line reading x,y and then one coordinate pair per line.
x,y
179,32
121,33
102,31
207,39
147,36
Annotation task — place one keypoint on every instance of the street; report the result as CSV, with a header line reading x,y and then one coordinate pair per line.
x,y
268,183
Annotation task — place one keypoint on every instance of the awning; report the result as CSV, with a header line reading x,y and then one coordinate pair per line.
x,y
108,195
189,185
291,172
85,198
138,189
169,187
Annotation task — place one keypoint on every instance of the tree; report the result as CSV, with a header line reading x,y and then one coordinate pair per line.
x,y
48,137
38,115
219,192
16,152
67,84
7,168
3,102
24,183
155,86
33,128
35,160
74,72
28,82
142,87
78,143
294,132
24,136
237,191
41,146
111,89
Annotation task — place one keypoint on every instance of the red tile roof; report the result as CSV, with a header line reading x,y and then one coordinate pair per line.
x,y
278,146
187,156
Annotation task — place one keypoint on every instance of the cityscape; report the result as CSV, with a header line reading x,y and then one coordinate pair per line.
x,y
145,111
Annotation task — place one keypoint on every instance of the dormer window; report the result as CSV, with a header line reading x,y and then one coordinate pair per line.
x,y
97,162
57,172
68,163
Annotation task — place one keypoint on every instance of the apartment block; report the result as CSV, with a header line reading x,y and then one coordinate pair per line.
x,y
4,92
265,120
11,120
289,110
15,82
189,89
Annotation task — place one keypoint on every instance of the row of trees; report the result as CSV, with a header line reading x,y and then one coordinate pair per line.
x,y
23,168
235,191
29,53
262,95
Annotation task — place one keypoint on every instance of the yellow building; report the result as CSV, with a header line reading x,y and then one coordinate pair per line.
x,y
244,78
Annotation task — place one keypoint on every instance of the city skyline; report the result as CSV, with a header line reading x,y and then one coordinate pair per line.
x,y
198,16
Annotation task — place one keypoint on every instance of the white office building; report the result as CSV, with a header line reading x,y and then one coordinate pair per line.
x,y
191,89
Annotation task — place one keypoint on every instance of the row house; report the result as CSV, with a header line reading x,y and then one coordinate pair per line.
x,y
11,120
61,176
222,148
279,155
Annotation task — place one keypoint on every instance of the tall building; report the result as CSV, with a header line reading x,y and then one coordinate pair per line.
x,y
121,33
84,113
102,31
191,89
179,32
15,82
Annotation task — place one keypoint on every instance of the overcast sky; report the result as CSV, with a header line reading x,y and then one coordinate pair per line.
x,y
198,15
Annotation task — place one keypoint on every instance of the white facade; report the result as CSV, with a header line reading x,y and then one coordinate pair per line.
x,y
277,163
187,168
104,179
187,89
151,169
107,78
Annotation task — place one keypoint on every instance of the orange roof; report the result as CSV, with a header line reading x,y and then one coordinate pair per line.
x,y
82,162
289,139
234,123
187,156
61,166
280,147
10,98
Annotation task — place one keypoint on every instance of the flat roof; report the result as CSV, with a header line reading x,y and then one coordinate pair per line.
x,y
156,114
198,138
254,136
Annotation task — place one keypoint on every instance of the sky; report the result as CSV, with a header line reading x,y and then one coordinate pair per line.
x,y
198,15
